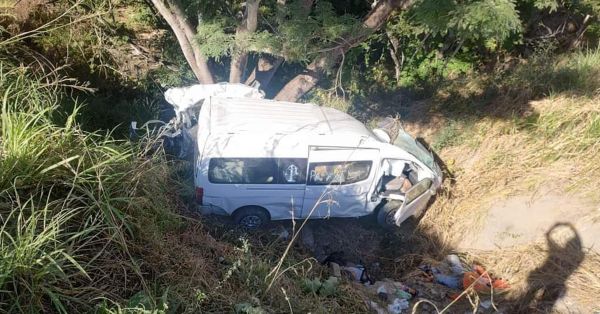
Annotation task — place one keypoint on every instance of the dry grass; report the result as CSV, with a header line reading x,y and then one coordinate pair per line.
x,y
535,268
556,146
519,146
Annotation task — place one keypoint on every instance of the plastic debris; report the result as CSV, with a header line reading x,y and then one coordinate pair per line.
x,y
376,307
394,288
282,234
486,304
455,265
357,273
459,278
482,281
354,272
398,306
335,269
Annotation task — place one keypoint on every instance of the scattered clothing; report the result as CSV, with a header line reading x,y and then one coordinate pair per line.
x,y
459,278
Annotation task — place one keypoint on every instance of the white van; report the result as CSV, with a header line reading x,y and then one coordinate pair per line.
x,y
259,160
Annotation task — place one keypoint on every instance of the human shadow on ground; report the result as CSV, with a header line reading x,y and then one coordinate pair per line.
x,y
547,283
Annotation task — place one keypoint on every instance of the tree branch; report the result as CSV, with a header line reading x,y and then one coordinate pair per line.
x,y
307,80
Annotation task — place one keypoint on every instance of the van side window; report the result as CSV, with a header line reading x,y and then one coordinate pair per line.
x,y
417,190
323,173
257,170
292,170
226,170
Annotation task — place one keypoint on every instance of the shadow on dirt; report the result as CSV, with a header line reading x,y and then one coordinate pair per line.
x,y
547,283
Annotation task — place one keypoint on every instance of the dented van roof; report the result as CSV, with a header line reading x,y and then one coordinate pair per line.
x,y
245,115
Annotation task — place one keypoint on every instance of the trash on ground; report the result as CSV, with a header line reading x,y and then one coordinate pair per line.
x,y
282,233
454,275
395,295
398,306
355,272
383,296
486,304
389,289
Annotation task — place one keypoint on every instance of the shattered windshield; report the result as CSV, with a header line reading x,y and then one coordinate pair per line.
x,y
415,148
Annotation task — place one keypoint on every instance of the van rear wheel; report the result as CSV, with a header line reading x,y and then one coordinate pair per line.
x,y
251,217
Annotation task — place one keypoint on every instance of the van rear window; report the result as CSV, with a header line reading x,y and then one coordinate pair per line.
x,y
257,170
324,173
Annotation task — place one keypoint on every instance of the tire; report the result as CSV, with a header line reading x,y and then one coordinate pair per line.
x,y
251,217
385,213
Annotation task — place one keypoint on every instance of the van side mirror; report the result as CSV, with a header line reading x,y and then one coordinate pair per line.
x,y
382,135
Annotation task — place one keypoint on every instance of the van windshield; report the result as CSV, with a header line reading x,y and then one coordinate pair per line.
x,y
415,148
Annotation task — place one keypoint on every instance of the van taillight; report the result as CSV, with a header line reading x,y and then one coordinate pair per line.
x,y
199,195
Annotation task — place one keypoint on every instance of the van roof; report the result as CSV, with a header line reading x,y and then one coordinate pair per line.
x,y
244,115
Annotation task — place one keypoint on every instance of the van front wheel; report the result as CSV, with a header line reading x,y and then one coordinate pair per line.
x,y
251,217
386,212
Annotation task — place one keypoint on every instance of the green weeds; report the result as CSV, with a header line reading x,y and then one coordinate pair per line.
x,y
576,73
70,201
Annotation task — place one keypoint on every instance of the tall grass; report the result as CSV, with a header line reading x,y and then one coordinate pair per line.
x,y
70,201
544,74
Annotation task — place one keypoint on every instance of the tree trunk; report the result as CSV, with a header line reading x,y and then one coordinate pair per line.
x,y
269,63
302,83
249,25
264,71
307,80
175,17
202,63
394,48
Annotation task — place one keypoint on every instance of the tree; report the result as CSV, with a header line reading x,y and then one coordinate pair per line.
x,y
296,31
313,37
172,12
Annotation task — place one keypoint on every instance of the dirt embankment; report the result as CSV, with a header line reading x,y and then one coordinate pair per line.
x,y
521,197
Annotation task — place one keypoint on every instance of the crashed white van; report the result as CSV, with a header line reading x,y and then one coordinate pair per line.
x,y
259,160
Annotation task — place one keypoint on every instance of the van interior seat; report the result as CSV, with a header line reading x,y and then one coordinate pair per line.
x,y
395,184
259,175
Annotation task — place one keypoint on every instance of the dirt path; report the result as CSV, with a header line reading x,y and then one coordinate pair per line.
x,y
526,219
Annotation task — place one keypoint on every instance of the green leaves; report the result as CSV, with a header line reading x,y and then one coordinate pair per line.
x,y
70,201
213,39
326,288
469,20
552,5
291,31
486,19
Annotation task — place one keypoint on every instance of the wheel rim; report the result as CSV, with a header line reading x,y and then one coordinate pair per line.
x,y
251,221
389,218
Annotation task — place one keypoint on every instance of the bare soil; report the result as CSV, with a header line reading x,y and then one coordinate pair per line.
x,y
525,219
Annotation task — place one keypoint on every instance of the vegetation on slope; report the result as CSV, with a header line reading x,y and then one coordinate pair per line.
x,y
529,130
90,222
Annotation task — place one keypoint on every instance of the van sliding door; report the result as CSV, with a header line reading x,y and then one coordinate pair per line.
x,y
339,181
